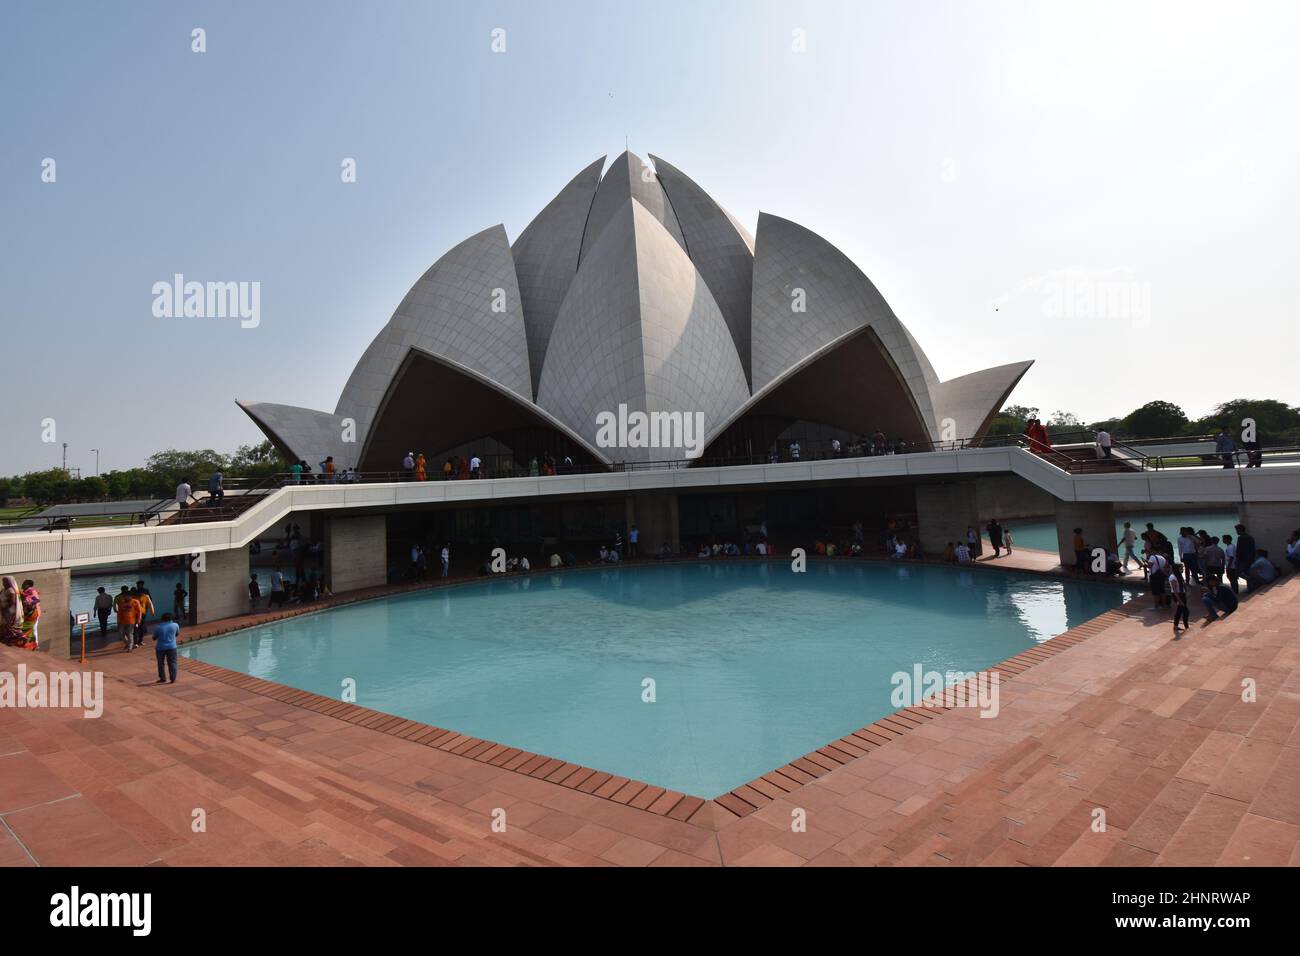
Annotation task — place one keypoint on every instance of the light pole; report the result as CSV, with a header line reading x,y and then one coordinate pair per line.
x,y
96,451
65,456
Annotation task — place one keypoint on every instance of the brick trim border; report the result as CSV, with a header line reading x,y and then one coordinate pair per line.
x,y
673,804
745,799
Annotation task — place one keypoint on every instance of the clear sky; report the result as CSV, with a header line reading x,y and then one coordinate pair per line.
x,y
1111,189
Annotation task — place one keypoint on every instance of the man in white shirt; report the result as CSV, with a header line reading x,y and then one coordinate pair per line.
x,y
1128,540
446,559
183,493
794,451
277,588
475,463
1104,442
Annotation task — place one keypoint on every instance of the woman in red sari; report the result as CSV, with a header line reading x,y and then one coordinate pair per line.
x,y
1039,440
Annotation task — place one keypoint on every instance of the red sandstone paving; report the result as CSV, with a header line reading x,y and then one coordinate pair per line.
x,y
1152,731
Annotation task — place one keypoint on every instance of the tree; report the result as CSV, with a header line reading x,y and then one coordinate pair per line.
x,y
1272,418
47,487
1012,420
1022,412
1154,420
257,461
169,467
91,488
10,488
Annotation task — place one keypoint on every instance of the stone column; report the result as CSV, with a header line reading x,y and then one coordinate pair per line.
x,y
221,588
356,553
1096,518
52,632
1271,523
944,512
656,518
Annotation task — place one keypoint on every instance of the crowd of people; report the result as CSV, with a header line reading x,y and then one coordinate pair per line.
x,y
416,467
877,443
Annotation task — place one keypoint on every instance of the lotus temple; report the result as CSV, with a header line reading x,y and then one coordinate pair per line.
x,y
636,289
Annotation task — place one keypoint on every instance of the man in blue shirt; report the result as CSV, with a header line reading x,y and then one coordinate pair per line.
x,y
164,636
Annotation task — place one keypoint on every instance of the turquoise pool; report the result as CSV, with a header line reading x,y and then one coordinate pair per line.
x,y
1041,535
753,665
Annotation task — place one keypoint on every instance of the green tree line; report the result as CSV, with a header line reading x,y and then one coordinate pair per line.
x,y
1276,423
157,479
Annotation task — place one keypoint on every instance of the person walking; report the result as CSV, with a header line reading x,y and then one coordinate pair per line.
x,y
183,494
995,537
633,537
216,488
1128,540
128,612
408,467
1178,595
164,648
475,467
146,608
1225,448
446,558
1104,442
103,607
419,467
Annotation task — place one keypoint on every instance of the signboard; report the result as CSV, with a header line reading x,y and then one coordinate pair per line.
x,y
83,617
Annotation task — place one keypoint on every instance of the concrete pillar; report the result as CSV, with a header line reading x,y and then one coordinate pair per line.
x,y
1010,496
657,520
52,632
356,552
1096,518
944,512
1271,523
221,588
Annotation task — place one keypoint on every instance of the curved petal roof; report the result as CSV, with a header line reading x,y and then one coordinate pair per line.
x,y
971,401
304,433
451,311
720,248
640,327
637,289
546,260
793,266
629,177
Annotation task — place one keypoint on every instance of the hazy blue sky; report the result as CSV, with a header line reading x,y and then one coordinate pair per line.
x,y
989,165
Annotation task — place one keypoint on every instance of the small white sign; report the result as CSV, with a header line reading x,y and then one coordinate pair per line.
x,y
83,617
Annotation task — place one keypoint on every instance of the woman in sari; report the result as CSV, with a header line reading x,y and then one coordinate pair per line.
x,y
31,614
1039,440
419,467
11,612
